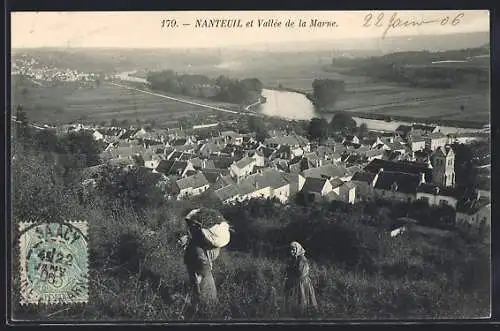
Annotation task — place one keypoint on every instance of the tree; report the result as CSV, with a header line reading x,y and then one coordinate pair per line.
x,y
136,187
45,140
326,91
251,84
22,130
343,122
465,172
82,146
318,129
257,125
139,160
362,130
124,124
39,192
21,115
221,88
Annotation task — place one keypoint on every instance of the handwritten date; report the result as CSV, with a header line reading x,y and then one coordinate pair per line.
x,y
395,22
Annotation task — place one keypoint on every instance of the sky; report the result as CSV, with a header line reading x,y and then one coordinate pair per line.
x,y
144,29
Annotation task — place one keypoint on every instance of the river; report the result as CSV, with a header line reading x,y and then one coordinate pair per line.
x,y
296,106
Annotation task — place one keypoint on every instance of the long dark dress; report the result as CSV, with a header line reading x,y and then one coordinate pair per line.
x,y
299,292
198,259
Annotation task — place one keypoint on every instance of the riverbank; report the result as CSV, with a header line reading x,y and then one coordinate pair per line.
x,y
286,89
260,101
409,119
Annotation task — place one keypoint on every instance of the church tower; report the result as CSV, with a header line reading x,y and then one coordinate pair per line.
x,y
443,167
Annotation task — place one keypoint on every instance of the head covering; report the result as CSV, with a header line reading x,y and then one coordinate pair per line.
x,y
300,249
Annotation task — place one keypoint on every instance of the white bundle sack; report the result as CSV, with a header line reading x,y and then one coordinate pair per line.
x,y
218,235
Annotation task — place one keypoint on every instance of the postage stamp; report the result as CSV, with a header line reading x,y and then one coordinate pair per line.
x,y
53,263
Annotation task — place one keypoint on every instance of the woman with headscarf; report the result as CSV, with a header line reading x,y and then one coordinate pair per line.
x,y
299,292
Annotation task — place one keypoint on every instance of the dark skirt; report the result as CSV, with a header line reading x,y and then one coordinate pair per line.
x,y
300,295
203,293
208,291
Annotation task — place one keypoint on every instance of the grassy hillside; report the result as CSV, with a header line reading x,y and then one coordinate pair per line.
x,y
358,270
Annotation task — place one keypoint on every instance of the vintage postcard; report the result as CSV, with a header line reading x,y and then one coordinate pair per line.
x,y
250,166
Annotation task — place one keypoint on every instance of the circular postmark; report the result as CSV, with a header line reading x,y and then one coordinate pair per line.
x,y
54,262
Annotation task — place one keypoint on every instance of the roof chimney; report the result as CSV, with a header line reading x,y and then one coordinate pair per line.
x,y
436,190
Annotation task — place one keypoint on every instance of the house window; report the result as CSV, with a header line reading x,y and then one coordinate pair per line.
x,y
443,202
426,199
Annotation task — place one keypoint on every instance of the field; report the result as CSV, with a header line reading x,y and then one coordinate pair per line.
x,y
364,95
417,102
70,102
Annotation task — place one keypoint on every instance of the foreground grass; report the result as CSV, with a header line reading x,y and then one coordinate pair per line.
x,y
138,277
136,270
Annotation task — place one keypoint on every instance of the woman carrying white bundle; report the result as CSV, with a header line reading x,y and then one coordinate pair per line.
x,y
208,233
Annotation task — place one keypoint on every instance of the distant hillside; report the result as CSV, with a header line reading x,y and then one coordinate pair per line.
x,y
432,43
442,69
116,60
390,44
